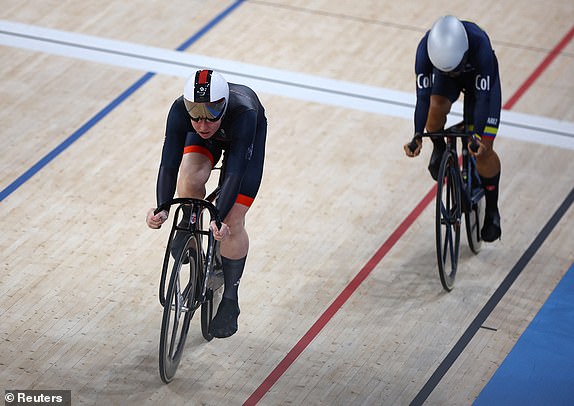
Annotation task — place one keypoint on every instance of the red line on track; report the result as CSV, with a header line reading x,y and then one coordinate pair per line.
x,y
340,300
538,71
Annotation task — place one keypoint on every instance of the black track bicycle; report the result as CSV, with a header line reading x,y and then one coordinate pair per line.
x,y
459,191
195,281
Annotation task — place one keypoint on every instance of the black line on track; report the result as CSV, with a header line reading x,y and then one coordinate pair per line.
x,y
470,332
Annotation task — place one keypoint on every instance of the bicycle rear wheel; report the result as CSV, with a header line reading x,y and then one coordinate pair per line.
x,y
213,298
180,305
473,219
447,220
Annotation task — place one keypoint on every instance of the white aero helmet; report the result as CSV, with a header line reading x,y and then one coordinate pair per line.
x,y
447,43
205,95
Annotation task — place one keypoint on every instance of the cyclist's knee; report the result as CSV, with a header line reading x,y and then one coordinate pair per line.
x,y
235,223
190,185
488,152
194,173
439,109
235,220
488,143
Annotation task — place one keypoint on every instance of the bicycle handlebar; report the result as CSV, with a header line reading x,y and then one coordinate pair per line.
x,y
453,132
213,212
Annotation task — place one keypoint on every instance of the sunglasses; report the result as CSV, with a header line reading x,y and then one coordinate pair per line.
x,y
211,111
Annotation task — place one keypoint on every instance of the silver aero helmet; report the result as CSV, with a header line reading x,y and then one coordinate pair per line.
x,y
447,43
205,95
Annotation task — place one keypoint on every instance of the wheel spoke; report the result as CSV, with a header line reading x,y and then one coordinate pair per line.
x,y
176,319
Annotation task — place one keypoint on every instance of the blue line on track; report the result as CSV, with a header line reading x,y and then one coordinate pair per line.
x,y
498,294
12,187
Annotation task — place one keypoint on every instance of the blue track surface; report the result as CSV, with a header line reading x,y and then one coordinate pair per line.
x,y
540,368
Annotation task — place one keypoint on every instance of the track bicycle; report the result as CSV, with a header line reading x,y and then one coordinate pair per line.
x,y
459,190
196,278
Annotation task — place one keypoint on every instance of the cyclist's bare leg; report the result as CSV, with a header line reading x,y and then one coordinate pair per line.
x,y
488,166
236,245
488,162
194,173
234,248
439,109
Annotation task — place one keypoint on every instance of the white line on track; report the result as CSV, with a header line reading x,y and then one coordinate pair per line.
x,y
294,85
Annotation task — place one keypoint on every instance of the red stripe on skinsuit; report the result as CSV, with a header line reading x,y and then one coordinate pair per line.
x,y
244,200
199,150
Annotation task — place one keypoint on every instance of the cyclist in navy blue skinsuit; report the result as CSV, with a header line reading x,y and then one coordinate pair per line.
x,y
210,118
456,56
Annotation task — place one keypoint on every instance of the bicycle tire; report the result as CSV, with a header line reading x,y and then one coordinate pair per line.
x,y
474,215
447,220
473,219
178,302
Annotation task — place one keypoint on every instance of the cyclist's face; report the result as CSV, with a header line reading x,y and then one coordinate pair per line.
x,y
206,128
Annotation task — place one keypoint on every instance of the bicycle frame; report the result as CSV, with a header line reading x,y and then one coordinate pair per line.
x,y
471,190
472,185
200,281
459,191
198,206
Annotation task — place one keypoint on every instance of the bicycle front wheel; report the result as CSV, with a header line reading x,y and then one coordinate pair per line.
x,y
180,305
447,220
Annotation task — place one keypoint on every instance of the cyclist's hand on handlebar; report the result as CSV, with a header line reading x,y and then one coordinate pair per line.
x,y
413,148
155,220
476,148
221,233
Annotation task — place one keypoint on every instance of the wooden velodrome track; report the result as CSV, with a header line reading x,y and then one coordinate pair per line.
x,y
341,301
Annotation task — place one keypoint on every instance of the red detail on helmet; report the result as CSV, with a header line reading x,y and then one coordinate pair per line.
x,y
203,76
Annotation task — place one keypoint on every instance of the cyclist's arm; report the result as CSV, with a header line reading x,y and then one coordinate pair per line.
x,y
483,84
238,158
424,82
172,153
166,184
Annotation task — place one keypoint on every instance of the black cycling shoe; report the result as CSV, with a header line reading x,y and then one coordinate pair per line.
x,y
435,159
224,324
491,229
177,244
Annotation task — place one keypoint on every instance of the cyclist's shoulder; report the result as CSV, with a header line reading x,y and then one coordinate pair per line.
x,y
477,36
422,60
177,116
472,27
244,104
241,96
177,108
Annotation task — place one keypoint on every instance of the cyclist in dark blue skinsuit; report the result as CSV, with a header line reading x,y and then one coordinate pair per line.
x,y
212,118
453,57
